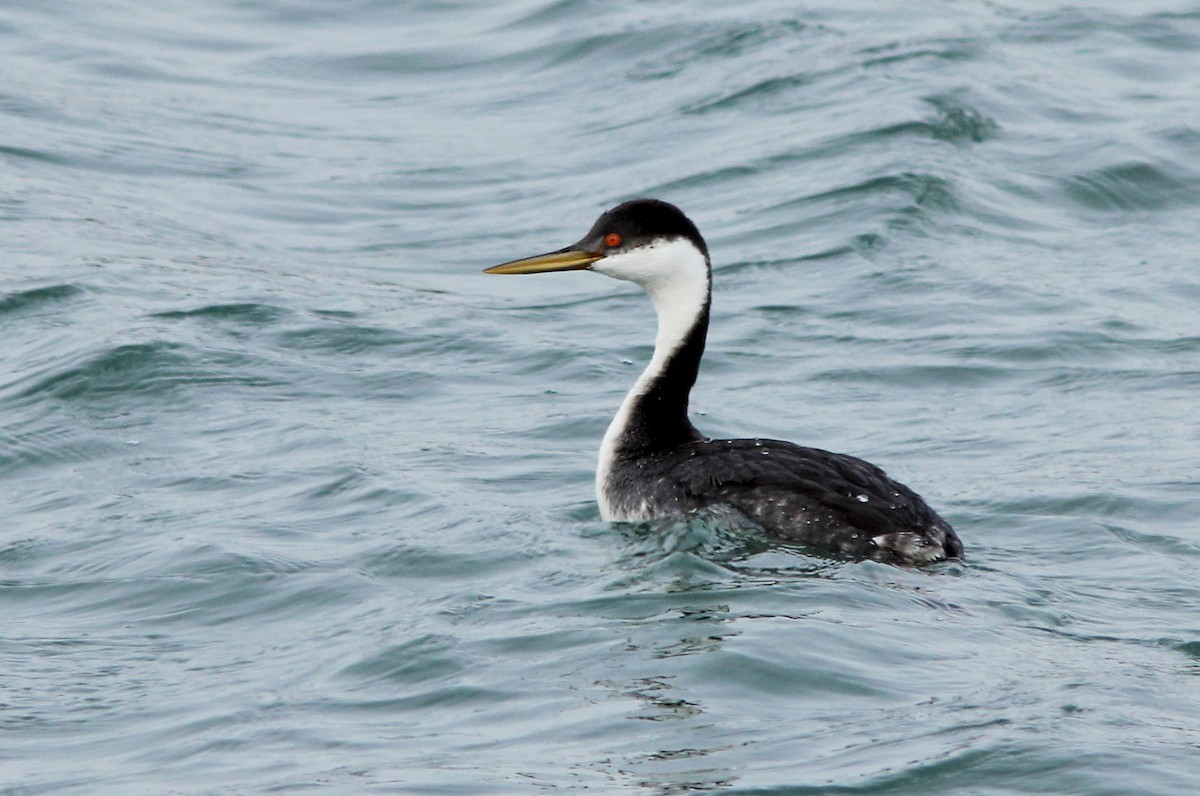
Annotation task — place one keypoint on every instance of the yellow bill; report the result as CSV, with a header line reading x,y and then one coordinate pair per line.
x,y
566,260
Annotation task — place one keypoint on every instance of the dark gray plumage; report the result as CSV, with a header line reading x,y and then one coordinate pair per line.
x,y
829,500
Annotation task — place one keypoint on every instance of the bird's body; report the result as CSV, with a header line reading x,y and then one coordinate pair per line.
x,y
655,464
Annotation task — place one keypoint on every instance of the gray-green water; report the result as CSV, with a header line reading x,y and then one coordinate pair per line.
x,y
295,498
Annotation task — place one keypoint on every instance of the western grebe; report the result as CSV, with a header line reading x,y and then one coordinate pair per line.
x,y
655,464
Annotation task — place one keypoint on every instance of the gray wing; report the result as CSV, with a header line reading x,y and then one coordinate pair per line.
x,y
831,500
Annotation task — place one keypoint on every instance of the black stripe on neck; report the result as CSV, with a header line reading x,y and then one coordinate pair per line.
x,y
658,420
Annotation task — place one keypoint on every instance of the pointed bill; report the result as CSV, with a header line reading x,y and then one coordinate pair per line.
x,y
565,260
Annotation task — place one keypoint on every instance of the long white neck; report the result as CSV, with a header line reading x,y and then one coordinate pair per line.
x,y
676,275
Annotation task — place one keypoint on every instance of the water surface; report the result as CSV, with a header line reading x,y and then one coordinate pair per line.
x,y
296,498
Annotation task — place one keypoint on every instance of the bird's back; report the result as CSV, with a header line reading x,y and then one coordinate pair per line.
x,y
829,500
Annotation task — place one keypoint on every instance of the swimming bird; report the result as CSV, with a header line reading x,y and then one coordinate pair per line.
x,y
653,462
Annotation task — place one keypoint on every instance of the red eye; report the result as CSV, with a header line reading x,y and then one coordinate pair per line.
x,y
612,239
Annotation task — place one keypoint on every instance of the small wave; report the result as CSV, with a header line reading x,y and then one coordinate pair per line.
x,y
46,444
943,50
1131,186
904,198
923,189
354,339
426,658
762,90
25,153
30,299
248,313
154,369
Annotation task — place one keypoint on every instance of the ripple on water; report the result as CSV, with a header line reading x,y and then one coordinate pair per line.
x,y
159,369
47,440
37,298
247,313
1133,186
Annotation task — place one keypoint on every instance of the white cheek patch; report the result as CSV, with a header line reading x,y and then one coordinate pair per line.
x,y
664,260
675,274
